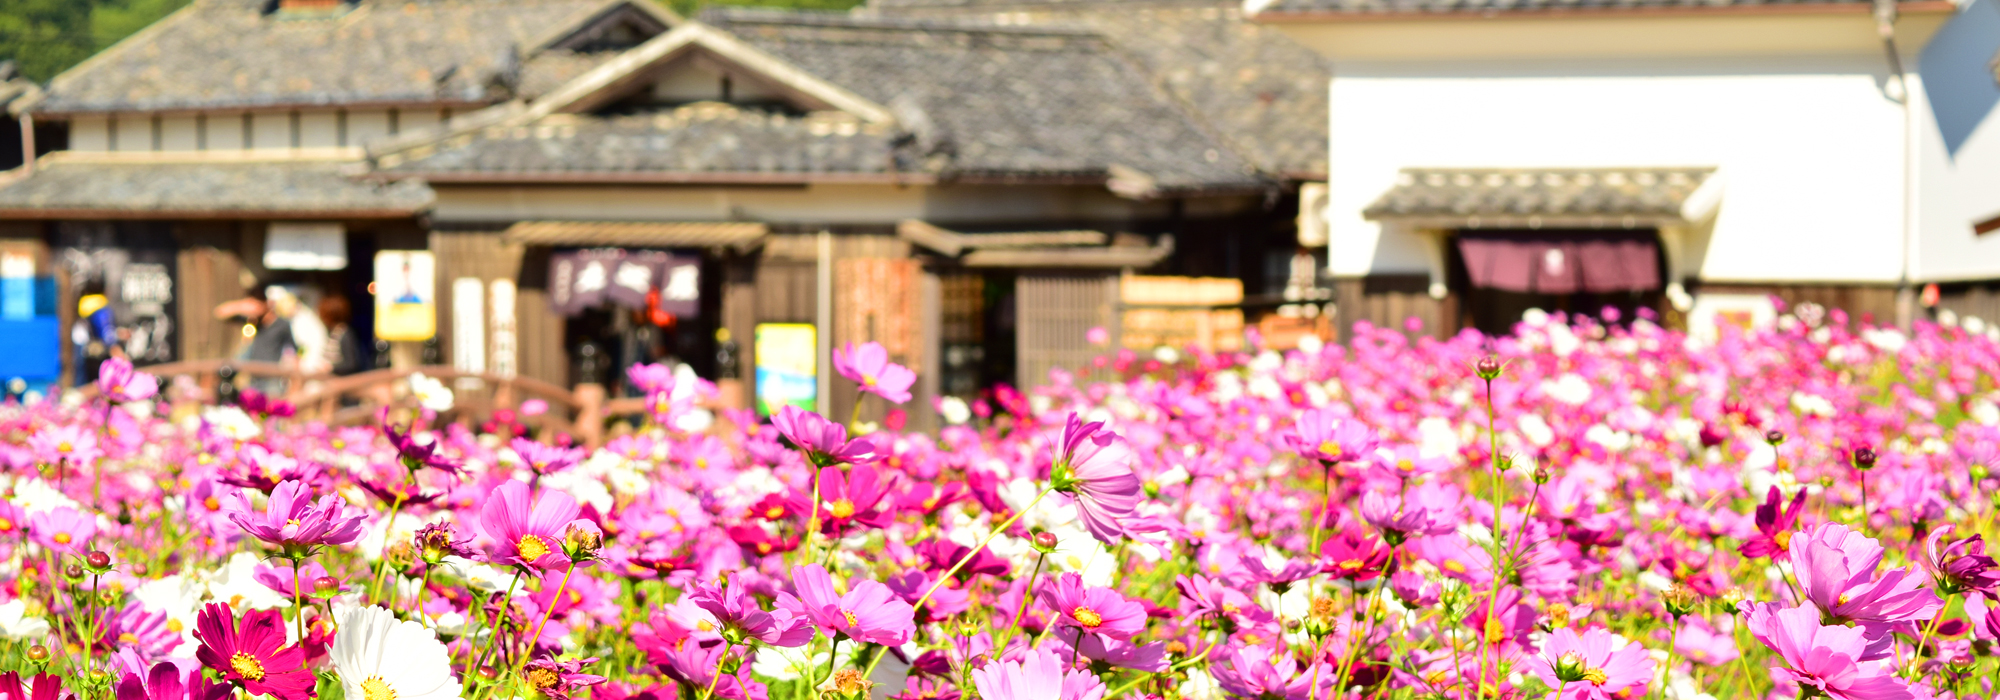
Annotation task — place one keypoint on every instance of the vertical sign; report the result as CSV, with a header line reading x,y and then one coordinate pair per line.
x,y
468,325
405,295
504,357
17,286
787,366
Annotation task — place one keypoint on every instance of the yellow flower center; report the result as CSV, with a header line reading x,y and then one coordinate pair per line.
x,y
868,379
175,626
1405,466
1596,676
61,538
1454,566
212,503
1351,565
1493,629
532,547
842,508
65,448
6,525
774,512
247,666
850,618
1784,539
1329,449
1087,617
543,678
376,689
128,638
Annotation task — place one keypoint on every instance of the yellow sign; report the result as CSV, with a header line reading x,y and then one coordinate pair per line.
x,y
787,366
405,295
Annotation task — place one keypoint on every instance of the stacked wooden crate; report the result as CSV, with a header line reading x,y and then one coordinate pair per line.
x,y
1179,312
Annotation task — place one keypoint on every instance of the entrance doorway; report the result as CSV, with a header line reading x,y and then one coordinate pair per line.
x,y
1611,275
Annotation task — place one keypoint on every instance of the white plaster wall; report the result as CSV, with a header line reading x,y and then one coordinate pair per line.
x,y
1811,150
88,134
271,131
366,126
225,132
1957,188
319,129
178,133
135,132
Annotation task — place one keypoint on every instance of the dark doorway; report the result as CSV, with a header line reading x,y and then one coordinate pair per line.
x,y
1612,275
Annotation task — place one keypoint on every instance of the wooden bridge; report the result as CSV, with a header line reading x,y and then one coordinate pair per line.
x,y
355,399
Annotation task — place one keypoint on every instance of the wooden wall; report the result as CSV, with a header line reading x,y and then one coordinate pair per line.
x,y
1056,312
210,273
1390,301
1981,300
1863,303
539,332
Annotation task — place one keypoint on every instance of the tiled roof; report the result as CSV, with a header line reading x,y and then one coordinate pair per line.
x,y
1003,100
236,54
1278,8
638,234
61,188
697,139
1261,91
1551,192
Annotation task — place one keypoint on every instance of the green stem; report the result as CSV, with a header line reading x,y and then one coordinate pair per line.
x,y
382,566
297,605
535,638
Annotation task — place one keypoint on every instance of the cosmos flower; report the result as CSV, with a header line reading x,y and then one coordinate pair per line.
x,y
293,523
378,657
1323,436
120,383
559,680
1775,524
824,442
166,681
64,530
869,613
1041,675
543,458
1263,672
1593,665
1836,567
733,607
1961,566
1827,659
868,365
252,655
1092,608
528,532
1094,466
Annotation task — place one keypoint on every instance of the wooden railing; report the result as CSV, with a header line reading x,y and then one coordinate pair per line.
x,y
357,398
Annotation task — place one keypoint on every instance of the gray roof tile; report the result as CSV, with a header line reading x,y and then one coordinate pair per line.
x,y
207,188
1416,7
221,54
1551,192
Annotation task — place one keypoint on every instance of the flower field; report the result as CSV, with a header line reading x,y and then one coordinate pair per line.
x,y
1577,511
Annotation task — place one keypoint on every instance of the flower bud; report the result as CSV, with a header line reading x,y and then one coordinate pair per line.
x,y
97,561
1863,457
1541,474
38,654
1774,438
74,572
849,683
1680,600
1045,542
325,587
1488,367
1570,667
581,540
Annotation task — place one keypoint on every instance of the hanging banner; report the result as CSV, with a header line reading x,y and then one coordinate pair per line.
x,y
680,287
787,366
584,279
405,295
468,325
503,360
301,245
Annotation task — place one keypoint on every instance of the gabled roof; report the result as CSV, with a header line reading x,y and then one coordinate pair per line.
x,y
228,54
1259,90
1293,10
895,100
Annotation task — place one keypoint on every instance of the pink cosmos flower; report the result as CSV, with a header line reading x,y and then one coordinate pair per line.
x,y
74,444
293,523
118,382
1775,523
543,458
734,607
1042,675
1095,466
62,530
529,531
169,682
868,365
1827,659
1262,672
848,498
1962,565
560,680
1323,436
1593,665
869,613
252,655
1836,567
825,442
1092,608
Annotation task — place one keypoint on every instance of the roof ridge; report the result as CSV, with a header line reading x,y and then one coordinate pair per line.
x,y
822,18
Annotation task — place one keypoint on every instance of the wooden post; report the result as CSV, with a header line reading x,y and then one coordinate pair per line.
x,y
590,414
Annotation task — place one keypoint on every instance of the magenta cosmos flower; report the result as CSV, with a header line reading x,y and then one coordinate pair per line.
x,y
1042,675
253,655
1091,608
734,607
869,613
1593,665
543,458
1826,659
119,382
824,441
1095,466
868,365
1325,437
1961,566
1264,672
847,499
529,531
1836,567
294,523
1775,523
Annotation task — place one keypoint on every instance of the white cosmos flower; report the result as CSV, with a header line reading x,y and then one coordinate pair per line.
x,y
381,658
16,624
430,392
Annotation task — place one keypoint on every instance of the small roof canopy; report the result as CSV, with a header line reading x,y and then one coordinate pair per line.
x,y
638,234
1569,197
